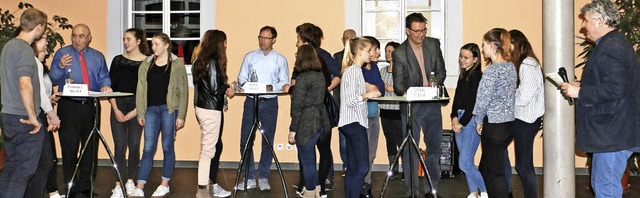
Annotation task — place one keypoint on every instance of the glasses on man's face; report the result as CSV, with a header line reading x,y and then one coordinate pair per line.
x,y
264,38
422,31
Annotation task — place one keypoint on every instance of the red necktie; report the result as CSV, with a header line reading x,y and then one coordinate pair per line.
x,y
85,72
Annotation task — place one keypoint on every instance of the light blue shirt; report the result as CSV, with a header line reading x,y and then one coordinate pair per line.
x,y
272,69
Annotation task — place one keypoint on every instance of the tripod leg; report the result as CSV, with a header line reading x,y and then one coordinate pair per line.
x,y
396,162
284,185
113,162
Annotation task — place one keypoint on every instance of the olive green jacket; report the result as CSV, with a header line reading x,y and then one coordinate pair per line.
x,y
177,93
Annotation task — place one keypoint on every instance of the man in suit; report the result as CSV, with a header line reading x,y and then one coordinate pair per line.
x,y
607,99
414,60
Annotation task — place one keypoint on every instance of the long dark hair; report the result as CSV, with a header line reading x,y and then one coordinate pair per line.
x,y
211,47
475,50
521,50
307,59
142,36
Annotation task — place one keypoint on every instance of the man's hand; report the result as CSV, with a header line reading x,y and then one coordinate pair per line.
x,y
571,89
179,124
65,61
33,122
53,120
141,122
106,89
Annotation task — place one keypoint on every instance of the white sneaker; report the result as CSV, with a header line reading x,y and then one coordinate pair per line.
x,y
484,195
251,184
264,184
117,192
160,191
137,192
56,196
130,186
218,191
472,195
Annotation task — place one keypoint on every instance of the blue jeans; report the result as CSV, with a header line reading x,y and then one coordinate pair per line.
x,y
343,150
607,170
23,155
358,158
267,115
158,119
307,158
468,141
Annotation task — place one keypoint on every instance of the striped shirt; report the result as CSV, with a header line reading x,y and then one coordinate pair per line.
x,y
388,81
530,93
352,107
496,94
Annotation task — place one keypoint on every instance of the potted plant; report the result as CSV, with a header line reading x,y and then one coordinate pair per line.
x,y
8,28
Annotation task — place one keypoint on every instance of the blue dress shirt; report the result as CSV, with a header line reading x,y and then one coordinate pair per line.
x,y
271,68
96,67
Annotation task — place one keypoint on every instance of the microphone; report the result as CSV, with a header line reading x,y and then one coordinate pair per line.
x,y
563,74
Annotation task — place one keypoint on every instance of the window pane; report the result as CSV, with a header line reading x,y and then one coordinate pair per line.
x,y
184,49
422,4
383,25
184,5
147,5
185,25
151,23
381,5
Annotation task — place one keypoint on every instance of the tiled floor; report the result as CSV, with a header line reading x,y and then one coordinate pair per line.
x,y
184,183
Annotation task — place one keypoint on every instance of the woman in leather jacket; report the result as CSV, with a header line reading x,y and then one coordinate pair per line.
x,y
210,87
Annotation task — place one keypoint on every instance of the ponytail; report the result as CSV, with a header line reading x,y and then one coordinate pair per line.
x,y
502,40
351,48
505,38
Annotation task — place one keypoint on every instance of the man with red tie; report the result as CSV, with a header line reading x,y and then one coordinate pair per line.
x,y
87,66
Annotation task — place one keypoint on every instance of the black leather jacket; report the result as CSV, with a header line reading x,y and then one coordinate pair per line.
x,y
209,91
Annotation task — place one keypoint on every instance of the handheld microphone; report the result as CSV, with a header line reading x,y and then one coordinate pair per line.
x,y
563,74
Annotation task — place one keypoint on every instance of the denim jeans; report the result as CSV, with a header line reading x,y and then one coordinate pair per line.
x,y
307,158
524,136
427,117
468,141
358,157
23,155
126,135
267,116
158,119
607,170
343,150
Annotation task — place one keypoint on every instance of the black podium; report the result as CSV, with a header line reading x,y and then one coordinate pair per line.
x,y
95,133
248,147
408,139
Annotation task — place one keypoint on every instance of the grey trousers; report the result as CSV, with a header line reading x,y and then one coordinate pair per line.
x,y
373,133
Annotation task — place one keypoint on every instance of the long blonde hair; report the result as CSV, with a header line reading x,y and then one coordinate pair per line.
x,y
351,48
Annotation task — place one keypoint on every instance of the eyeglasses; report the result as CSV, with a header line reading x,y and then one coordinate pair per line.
x,y
424,31
264,38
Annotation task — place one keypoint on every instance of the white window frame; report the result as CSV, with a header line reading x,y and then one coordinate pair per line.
x,y
451,38
119,19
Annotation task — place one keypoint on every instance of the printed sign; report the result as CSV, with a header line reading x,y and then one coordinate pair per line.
x,y
422,93
254,87
75,90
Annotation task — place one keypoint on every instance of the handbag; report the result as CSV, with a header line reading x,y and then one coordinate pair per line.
x,y
333,111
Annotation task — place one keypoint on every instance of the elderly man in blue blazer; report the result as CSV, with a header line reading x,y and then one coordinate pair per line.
x,y
607,99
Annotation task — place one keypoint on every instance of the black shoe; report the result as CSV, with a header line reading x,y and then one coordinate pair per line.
x,y
429,195
365,192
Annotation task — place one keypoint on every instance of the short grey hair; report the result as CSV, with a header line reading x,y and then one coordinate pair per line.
x,y
603,9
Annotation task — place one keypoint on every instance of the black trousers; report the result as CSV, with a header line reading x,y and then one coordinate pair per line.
x,y
215,161
524,136
495,138
44,180
126,135
76,123
392,129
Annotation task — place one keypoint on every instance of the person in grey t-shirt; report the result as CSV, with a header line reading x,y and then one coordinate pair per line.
x,y
20,93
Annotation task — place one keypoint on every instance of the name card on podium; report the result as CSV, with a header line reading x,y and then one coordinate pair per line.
x,y
75,90
254,87
422,93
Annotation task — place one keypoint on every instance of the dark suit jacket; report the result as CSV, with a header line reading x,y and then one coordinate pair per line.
x,y
406,71
607,108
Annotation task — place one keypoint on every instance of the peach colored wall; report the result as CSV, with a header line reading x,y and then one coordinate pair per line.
x,y
241,21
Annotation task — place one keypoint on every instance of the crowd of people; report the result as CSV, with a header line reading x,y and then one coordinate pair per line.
x,y
495,104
